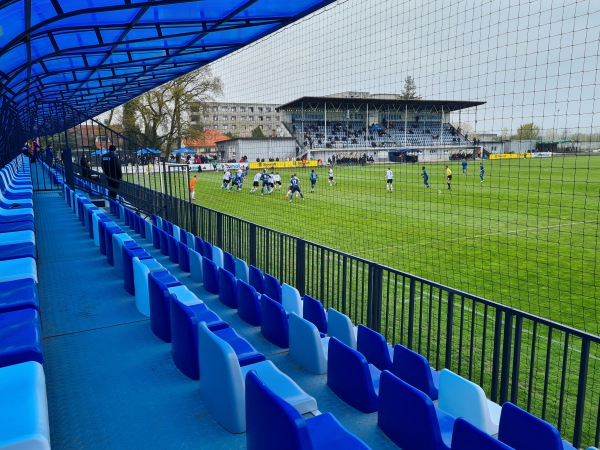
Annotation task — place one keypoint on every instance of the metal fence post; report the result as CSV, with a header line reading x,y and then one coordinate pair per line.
x,y
506,352
220,230
411,313
300,266
449,330
374,297
581,391
516,360
496,355
252,261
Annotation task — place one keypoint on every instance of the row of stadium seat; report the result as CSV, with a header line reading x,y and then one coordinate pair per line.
x,y
199,339
23,404
382,377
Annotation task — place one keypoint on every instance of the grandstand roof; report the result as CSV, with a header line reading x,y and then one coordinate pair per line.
x,y
94,55
358,102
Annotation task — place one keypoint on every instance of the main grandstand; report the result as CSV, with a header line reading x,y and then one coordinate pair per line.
x,y
358,124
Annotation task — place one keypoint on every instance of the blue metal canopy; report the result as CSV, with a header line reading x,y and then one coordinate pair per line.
x,y
93,55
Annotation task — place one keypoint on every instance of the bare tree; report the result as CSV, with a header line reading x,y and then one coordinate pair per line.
x,y
160,118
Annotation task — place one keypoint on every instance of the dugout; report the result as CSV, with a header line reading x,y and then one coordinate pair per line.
x,y
404,156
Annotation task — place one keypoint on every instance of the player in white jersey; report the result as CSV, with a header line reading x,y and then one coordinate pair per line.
x,y
390,180
277,179
226,179
331,180
255,182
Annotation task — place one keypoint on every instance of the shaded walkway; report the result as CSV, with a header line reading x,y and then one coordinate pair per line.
x,y
111,383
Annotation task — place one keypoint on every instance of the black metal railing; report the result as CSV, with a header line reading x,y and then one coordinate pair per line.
x,y
547,368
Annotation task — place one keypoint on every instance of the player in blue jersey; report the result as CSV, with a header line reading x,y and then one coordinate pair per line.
x,y
425,177
481,172
265,177
464,167
313,180
295,187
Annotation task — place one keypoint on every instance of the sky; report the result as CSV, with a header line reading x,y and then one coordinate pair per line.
x,y
529,60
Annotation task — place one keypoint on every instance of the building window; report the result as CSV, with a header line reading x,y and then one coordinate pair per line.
x,y
233,109
251,109
215,118
207,118
195,118
232,117
216,127
214,108
260,109
194,108
261,118
224,108
242,109
251,118
224,117
268,109
224,127
233,127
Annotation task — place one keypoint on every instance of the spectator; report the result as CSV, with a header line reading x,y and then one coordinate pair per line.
x,y
111,166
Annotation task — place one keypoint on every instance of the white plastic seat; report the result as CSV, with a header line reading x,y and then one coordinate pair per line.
x,y
291,300
17,269
141,269
307,347
460,397
222,384
24,408
217,256
340,326
242,270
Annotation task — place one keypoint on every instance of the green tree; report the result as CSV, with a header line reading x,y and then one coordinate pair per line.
x,y
160,118
527,132
410,90
231,135
258,133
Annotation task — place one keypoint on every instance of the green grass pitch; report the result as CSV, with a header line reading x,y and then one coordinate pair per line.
x,y
526,237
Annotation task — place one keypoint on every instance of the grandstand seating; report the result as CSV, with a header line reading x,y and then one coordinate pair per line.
x,y
23,407
340,326
307,347
414,369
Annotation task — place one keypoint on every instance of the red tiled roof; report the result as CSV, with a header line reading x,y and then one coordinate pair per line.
x,y
209,139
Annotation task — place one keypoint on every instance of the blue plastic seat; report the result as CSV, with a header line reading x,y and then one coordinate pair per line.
x,y
274,324
272,287
128,253
156,237
351,377
173,251
248,303
307,347
199,245
210,276
222,385
18,294
415,370
24,408
159,304
314,312
374,348
228,262
460,397
521,430
185,316
20,337
273,423
141,270
195,259
17,244
120,240
468,437
256,279
183,256
340,326
164,242
227,288
291,300
207,250
241,270
409,418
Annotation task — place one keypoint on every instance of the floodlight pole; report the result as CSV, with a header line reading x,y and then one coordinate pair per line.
x,y
405,124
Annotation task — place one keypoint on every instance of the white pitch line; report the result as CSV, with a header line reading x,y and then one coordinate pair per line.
x,y
497,233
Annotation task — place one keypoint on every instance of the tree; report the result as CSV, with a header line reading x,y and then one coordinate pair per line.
x,y
410,90
527,132
231,135
160,118
258,133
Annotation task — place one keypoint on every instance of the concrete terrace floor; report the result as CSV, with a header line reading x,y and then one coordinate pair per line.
x,y
111,384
